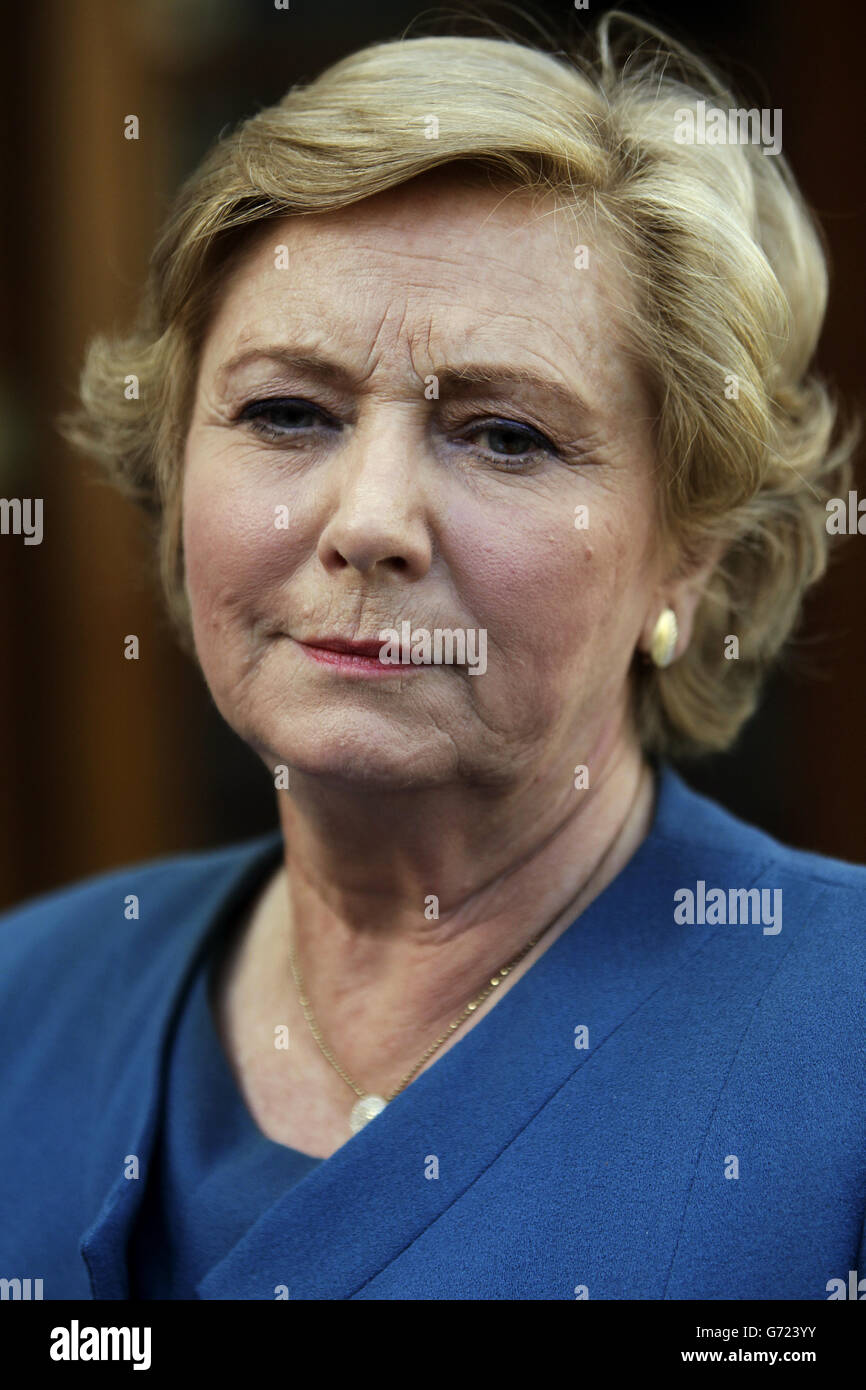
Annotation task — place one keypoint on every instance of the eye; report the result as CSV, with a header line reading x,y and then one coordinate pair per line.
x,y
281,417
509,439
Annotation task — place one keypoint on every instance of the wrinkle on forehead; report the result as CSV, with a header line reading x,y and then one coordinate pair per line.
x,y
465,272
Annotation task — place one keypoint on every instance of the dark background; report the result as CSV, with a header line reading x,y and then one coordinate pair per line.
x,y
106,761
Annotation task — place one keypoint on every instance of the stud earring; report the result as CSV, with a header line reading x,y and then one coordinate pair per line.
x,y
663,643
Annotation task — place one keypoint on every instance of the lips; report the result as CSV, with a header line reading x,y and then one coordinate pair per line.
x,y
364,647
354,657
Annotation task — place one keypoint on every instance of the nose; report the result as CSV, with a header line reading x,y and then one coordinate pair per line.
x,y
381,515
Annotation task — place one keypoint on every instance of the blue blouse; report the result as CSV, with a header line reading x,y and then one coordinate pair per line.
x,y
670,1104
215,1172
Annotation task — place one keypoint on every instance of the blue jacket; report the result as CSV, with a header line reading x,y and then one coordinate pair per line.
x,y
661,1108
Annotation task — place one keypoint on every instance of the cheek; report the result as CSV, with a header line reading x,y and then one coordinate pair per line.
x,y
234,549
548,591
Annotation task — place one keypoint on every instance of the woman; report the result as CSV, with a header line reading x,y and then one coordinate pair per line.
x,y
489,472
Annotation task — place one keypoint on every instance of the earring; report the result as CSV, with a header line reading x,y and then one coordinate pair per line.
x,y
663,643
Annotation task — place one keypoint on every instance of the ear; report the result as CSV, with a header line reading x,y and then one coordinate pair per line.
x,y
682,592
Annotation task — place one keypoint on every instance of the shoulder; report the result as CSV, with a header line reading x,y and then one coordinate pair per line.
x,y
709,849
699,824
62,927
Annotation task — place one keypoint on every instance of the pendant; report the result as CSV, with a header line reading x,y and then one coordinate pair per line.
x,y
365,1110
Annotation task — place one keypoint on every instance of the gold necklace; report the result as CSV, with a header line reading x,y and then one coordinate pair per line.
x,y
368,1105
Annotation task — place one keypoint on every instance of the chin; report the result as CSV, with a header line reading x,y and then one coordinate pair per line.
x,y
370,752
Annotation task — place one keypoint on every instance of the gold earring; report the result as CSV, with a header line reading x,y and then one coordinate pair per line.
x,y
663,643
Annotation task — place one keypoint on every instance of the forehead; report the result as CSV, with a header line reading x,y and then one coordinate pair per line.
x,y
426,271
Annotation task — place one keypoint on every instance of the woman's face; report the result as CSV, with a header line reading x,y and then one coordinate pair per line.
x,y
446,389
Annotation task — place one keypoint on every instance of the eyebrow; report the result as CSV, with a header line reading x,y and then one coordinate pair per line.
x,y
467,378
462,379
314,362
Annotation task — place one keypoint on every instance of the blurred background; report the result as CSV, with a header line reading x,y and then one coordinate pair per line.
x,y
107,761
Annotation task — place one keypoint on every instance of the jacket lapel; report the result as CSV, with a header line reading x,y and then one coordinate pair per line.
x,y
173,935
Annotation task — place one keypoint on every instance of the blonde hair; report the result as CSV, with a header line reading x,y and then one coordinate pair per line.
x,y
729,285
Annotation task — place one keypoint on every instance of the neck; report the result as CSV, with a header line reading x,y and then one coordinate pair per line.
x,y
400,912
